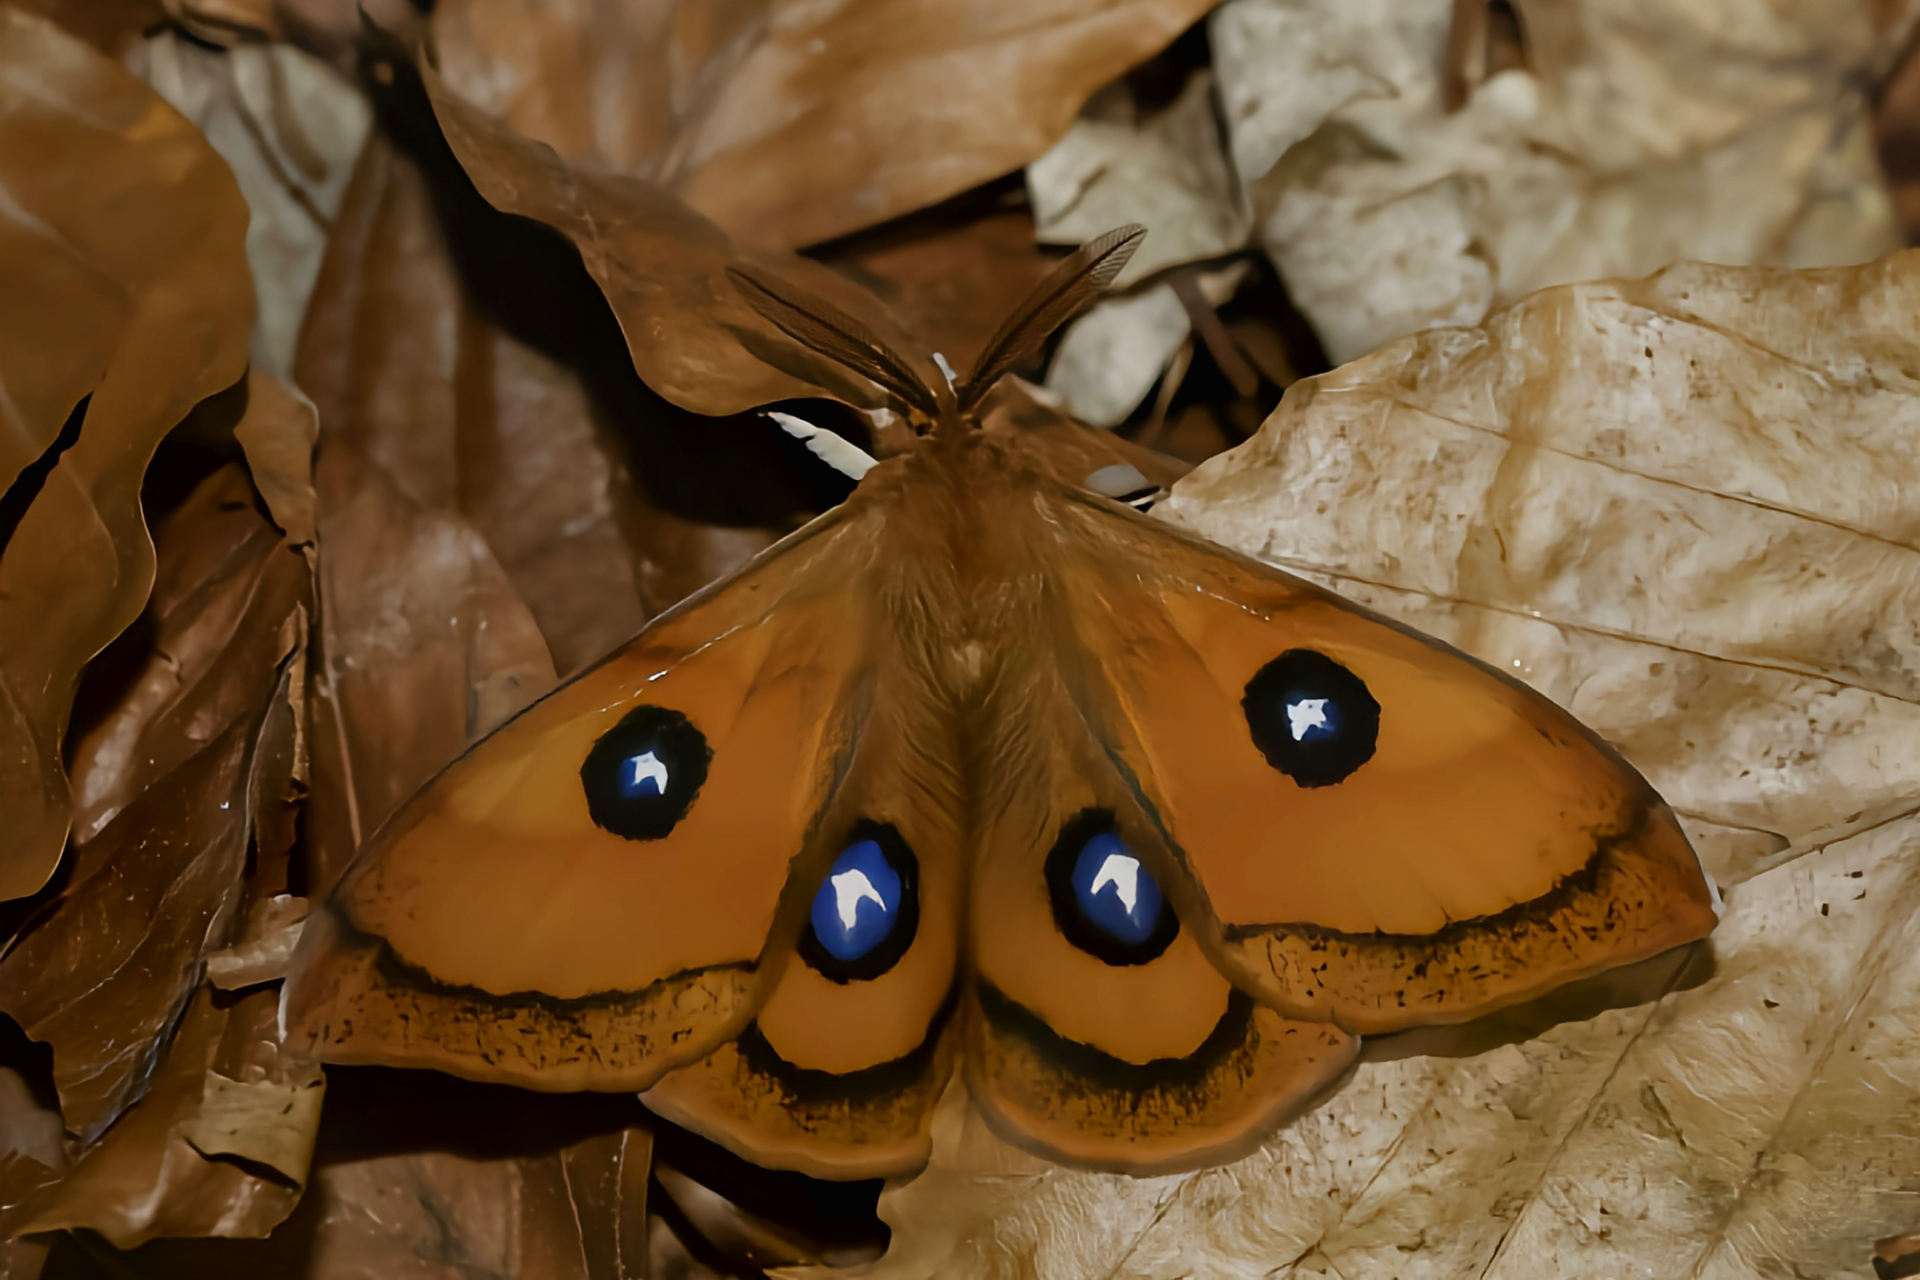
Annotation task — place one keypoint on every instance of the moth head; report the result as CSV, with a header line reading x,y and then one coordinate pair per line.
x,y
945,404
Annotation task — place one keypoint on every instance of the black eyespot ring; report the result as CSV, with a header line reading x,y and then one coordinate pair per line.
x,y
1072,901
643,774
884,954
1312,719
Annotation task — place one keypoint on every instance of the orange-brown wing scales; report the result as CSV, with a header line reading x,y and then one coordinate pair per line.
x,y
839,1074
494,917
1148,1065
1490,848
1214,1103
1631,900
755,1100
361,1006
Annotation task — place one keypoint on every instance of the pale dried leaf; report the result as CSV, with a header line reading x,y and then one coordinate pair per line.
x,y
290,127
266,1122
1688,508
1110,358
1167,171
125,286
1645,133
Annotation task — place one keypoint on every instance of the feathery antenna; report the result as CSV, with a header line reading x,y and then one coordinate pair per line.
x,y
1080,278
820,326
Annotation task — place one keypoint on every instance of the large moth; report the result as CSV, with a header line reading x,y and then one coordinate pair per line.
x,y
984,772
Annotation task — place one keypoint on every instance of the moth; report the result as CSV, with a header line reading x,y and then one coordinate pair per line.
x,y
984,773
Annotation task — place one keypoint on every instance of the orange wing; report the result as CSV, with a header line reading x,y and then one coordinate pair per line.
x,y
839,1073
600,890
1368,827
1114,1048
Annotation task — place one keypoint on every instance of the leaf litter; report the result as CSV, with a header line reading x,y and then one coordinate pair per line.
x,y
512,473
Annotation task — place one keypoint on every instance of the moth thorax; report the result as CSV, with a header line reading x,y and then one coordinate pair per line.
x,y
967,667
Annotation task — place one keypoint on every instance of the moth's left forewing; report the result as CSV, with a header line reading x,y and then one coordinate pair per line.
x,y
1479,847
501,928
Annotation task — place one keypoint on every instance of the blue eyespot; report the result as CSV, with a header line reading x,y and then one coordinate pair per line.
x,y
859,904
1313,719
1105,901
865,911
642,775
1115,893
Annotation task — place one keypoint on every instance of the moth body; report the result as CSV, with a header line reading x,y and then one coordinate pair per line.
x,y
983,775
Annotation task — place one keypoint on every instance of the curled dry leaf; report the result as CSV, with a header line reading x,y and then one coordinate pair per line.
x,y
289,126
230,607
791,123
218,1147
105,968
663,269
1644,133
123,277
1166,170
1687,508
262,946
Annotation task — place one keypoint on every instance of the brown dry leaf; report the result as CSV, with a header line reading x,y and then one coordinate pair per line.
x,y
124,283
290,127
218,1147
405,1183
330,29
1644,133
424,647
663,269
261,946
32,1153
1688,508
460,412
792,123
168,789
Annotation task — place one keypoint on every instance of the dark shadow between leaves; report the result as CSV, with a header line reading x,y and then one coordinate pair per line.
x,y
530,281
